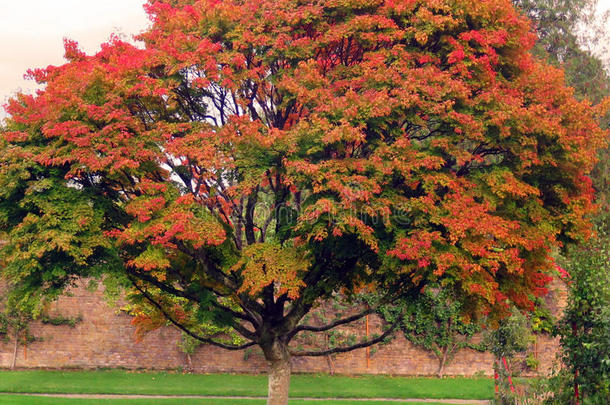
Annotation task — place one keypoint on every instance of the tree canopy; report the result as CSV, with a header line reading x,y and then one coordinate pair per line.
x,y
255,157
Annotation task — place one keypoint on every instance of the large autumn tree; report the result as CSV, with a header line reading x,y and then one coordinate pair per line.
x,y
255,157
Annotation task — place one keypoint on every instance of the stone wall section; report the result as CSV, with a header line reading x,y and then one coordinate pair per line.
x,y
105,338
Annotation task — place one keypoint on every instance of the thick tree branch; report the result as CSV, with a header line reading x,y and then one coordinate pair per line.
x,y
249,216
245,332
360,345
334,324
184,328
250,306
181,293
212,271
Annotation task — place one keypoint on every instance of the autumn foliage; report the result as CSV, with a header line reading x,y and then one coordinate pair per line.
x,y
254,157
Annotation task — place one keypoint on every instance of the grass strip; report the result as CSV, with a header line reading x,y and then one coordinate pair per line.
x,y
38,400
314,386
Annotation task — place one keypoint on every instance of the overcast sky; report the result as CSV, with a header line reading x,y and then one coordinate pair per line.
x,y
32,32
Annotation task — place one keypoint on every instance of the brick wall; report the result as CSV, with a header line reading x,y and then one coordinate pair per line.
x,y
105,338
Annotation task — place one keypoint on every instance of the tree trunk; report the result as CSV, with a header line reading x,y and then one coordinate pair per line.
x,y
189,363
329,358
576,390
441,363
278,359
331,367
15,350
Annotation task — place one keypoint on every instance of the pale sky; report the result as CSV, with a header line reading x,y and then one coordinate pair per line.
x,y
32,32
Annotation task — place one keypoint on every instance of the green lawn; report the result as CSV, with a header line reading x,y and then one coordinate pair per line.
x,y
315,386
21,400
